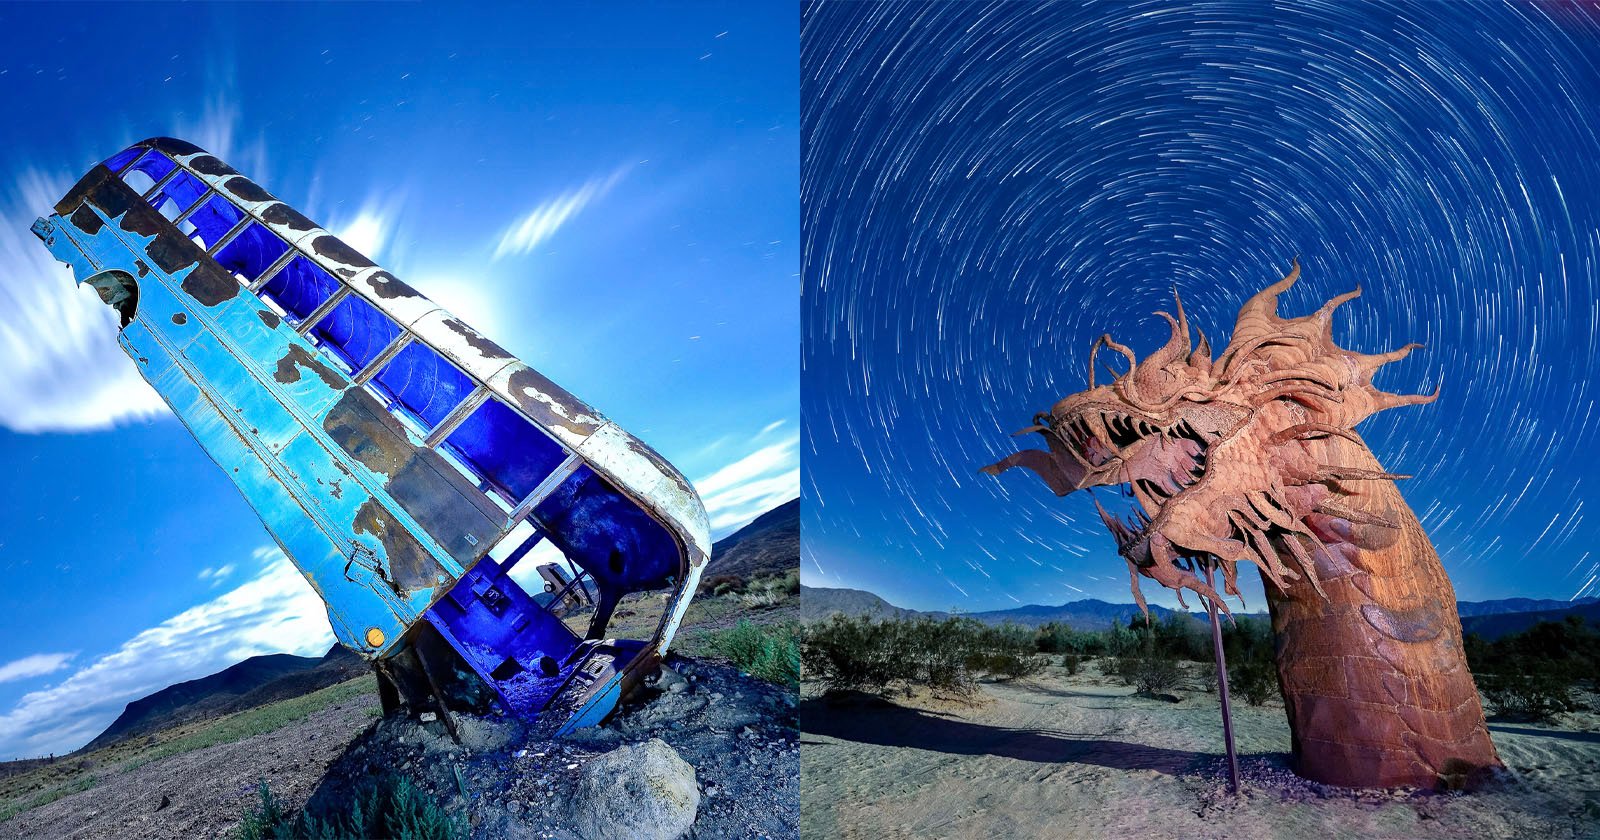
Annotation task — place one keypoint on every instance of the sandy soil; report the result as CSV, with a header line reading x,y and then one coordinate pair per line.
x,y
205,791
1078,756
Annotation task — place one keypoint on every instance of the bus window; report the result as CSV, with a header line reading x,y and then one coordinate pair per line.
x,y
507,450
212,221
178,194
251,252
150,169
353,333
299,288
123,158
419,382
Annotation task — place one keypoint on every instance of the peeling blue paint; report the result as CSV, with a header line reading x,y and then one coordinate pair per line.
x,y
385,445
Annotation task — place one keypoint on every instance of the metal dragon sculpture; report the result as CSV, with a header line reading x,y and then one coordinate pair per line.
x,y
1252,456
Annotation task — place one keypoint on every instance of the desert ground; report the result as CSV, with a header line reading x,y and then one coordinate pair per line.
x,y
198,779
1078,756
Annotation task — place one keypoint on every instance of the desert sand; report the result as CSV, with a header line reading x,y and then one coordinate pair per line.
x,y
1062,756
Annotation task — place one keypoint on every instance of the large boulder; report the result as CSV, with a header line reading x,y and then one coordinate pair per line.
x,y
644,791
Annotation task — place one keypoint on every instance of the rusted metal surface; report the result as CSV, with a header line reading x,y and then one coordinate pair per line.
x,y
337,437
1252,457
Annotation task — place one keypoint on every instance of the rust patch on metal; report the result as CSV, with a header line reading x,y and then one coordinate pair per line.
x,y
246,189
173,253
283,214
1418,624
209,284
85,219
81,190
335,249
179,318
389,287
142,267
269,318
298,357
483,345
448,507
411,567
572,409
210,165
363,429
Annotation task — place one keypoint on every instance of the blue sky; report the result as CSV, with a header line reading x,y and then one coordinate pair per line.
x,y
989,187
608,194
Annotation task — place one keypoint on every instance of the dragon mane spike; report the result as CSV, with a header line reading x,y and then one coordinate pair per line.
x,y
1265,302
1377,360
1200,359
1326,310
1386,400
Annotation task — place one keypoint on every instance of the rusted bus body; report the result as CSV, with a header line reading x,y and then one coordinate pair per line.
x,y
403,461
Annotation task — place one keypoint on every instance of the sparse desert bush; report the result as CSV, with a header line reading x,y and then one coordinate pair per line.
x,y
388,808
1148,675
78,785
851,654
1253,679
845,653
768,651
1539,696
771,591
722,584
1072,662
1537,674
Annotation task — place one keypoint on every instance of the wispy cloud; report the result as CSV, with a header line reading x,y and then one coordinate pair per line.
x,y
64,370
754,484
274,612
217,574
217,130
542,223
37,665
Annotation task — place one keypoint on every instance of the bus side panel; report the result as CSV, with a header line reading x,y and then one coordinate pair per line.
x,y
320,559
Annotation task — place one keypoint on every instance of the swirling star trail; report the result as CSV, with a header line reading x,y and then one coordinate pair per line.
x,y
987,188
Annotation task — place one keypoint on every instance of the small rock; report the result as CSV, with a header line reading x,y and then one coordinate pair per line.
x,y
428,717
520,754
678,687
164,802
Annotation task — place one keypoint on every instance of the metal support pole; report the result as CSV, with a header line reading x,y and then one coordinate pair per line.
x,y
1222,688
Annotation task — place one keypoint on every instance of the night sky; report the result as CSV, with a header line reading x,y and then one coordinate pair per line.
x,y
988,188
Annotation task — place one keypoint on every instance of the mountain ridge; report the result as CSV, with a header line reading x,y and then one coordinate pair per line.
x,y
1490,619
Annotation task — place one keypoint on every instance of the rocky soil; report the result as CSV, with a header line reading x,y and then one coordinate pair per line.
x,y
738,734
737,737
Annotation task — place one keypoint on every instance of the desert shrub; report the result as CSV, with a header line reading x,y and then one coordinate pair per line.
x,y
267,820
386,808
771,591
950,655
1540,696
1055,637
1254,680
768,651
1072,662
722,584
1148,675
847,653
1536,674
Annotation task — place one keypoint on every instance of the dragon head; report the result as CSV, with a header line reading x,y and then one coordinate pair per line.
x,y
1221,455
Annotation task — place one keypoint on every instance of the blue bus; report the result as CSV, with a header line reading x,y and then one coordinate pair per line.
x,y
401,460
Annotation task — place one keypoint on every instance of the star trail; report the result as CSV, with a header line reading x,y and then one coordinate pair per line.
x,y
988,188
